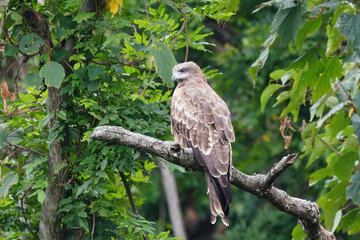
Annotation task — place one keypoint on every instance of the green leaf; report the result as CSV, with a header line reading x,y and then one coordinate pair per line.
x,y
94,85
349,26
94,71
353,191
286,23
277,74
351,222
333,70
309,27
344,165
4,170
308,130
118,69
297,96
53,73
3,137
103,164
7,182
33,79
282,97
355,120
41,196
45,120
260,62
82,16
298,233
10,50
30,43
317,108
83,187
339,122
334,36
334,110
267,93
173,167
356,100
15,16
324,8
60,166
332,101
164,61
60,54
337,219
319,175
331,202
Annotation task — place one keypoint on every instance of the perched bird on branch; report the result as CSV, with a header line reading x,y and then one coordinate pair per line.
x,y
201,120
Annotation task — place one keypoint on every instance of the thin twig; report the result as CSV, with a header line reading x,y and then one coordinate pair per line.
x,y
347,94
23,209
29,110
354,143
128,192
8,69
25,160
24,148
187,38
23,60
93,226
148,18
11,154
68,182
178,34
327,144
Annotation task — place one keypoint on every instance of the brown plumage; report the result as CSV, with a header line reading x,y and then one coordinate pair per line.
x,y
201,120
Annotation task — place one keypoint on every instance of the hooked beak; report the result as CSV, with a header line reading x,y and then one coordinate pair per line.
x,y
174,78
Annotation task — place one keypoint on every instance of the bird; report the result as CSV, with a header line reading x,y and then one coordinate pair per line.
x,y
201,121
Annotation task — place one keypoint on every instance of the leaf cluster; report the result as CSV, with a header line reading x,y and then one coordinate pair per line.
x,y
109,70
323,83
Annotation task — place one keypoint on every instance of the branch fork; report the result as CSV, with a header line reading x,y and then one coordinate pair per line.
x,y
260,185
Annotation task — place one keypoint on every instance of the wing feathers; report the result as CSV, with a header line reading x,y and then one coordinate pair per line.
x,y
209,161
201,120
223,153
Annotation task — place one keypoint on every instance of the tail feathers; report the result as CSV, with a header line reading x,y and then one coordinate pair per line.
x,y
219,190
219,199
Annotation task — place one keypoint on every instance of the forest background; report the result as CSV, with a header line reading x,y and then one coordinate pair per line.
x,y
289,71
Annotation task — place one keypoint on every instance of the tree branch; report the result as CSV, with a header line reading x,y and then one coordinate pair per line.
x,y
277,169
258,184
128,192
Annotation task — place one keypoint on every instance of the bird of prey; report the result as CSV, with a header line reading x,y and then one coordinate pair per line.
x,y
201,120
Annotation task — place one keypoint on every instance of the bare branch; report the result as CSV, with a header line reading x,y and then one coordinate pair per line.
x,y
277,169
258,184
25,148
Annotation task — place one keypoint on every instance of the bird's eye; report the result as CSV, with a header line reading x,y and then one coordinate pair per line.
x,y
182,70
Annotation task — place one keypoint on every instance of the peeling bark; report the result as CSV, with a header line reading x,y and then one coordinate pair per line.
x,y
305,211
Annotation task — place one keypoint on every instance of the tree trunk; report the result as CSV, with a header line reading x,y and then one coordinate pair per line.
x,y
173,202
50,222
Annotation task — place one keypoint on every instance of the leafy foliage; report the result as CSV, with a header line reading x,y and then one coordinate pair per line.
x,y
110,70
323,81
118,73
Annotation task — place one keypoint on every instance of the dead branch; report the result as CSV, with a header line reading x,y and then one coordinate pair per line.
x,y
306,212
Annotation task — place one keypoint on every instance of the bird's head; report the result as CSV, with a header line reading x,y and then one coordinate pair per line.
x,y
187,71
